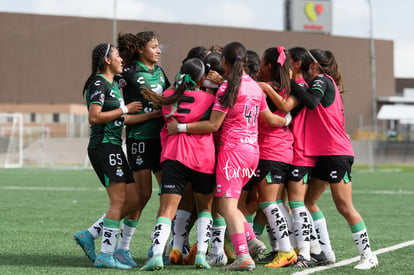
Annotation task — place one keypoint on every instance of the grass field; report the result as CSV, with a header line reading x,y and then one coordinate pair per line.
x,y
42,208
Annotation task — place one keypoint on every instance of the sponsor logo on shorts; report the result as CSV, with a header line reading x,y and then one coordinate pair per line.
x,y
238,172
169,186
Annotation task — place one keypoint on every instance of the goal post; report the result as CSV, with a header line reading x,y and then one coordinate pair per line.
x,y
11,140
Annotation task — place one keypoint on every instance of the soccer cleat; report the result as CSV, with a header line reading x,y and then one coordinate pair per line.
x,y
108,261
190,259
124,257
243,262
175,257
302,262
267,258
200,261
229,249
87,243
320,259
150,253
214,260
368,261
256,248
154,263
330,256
283,259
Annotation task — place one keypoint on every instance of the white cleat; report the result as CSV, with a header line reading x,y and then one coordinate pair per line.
x,y
215,260
368,261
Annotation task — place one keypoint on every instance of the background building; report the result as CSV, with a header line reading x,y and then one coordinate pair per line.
x,y
45,61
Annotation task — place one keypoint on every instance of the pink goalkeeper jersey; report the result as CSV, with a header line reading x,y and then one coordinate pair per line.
x,y
240,127
276,143
325,128
196,151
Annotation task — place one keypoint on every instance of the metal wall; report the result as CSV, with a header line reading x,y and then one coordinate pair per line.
x,y
46,59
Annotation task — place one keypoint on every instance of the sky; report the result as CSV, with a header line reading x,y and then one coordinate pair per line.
x,y
392,20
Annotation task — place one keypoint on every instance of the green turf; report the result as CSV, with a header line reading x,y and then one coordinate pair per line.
x,y
42,208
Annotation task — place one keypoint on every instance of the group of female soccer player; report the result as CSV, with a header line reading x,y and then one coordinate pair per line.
x,y
229,140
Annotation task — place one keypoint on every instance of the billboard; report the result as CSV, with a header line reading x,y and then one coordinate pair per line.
x,y
309,16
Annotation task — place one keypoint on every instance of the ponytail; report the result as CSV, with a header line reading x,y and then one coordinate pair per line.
x,y
234,54
99,53
278,58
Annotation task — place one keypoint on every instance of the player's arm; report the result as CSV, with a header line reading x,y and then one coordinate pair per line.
x,y
97,116
273,119
312,98
200,127
140,118
284,105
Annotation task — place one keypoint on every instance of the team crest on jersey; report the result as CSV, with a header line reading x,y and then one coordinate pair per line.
x,y
119,171
122,83
162,79
139,161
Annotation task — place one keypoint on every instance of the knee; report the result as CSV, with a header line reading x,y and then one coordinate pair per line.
x,y
119,202
145,194
344,209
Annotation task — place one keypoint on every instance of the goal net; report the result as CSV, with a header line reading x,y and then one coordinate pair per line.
x,y
11,140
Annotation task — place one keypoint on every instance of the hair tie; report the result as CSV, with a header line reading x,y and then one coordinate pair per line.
x,y
188,80
282,56
238,57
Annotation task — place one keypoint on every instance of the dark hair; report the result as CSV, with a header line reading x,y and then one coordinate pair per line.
x,y
253,63
128,48
328,65
196,52
99,53
143,38
212,61
306,58
216,48
235,55
279,73
191,71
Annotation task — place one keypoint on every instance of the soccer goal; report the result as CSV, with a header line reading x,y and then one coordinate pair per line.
x,y
11,140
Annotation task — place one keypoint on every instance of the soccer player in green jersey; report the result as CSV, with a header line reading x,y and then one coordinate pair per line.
x,y
107,115
141,52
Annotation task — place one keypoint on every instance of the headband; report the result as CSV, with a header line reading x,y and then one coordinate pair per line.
x,y
282,56
107,50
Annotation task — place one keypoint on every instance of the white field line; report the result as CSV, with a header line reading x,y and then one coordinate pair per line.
x,y
48,188
354,259
44,188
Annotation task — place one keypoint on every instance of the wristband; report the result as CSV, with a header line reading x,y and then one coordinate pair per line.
x,y
288,118
124,109
182,127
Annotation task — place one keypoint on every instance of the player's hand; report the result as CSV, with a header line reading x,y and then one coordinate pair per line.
x,y
172,126
215,77
134,107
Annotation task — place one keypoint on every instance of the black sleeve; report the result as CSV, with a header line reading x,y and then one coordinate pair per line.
x,y
310,99
167,82
97,91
